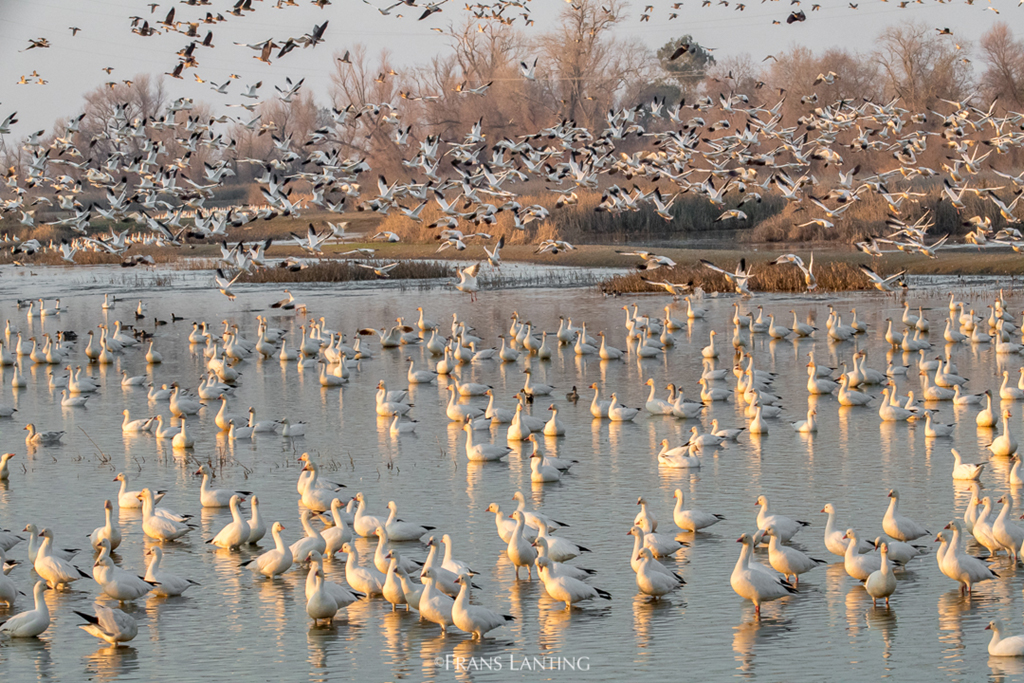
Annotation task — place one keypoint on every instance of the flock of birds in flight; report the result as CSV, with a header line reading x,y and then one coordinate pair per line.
x,y
722,149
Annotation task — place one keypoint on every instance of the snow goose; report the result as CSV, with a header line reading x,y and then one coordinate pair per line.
x,y
898,526
520,551
710,351
165,584
645,517
342,595
661,545
785,527
434,605
311,542
598,408
69,401
808,426
857,565
214,498
982,530
986,418
1004,445
451,564
392,590
1000,645
560,549
691,519
118,583
108,532
652,582
5,472
835,540
566,589
1006,532
755,585
892,413
680,457
8,590
729,434
581,573
315,495
881,583
710,394
541,473
236,532
634,559
320,605
958,565
400,531
457,412
1008,392
506,526
182,440
31,623
54,570
444,578
130,426
273,562
534,519
517,429
168,432
364,524
160,527
965,471
788,561
472,618
339,534
900,553
620,413
554,426
35,438
935,430
483,452
531,388
851,397
35,542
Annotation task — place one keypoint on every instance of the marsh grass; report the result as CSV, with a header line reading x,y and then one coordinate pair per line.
x,y
332,270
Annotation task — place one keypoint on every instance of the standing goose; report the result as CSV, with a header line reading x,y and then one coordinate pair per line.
x,y
757,586
857,565
319,604
836,540
472,618
564,588
401,531
367,580
335,536
434,605
652,582
692,519
881,583
55,571
520,551
959,566
108,532
788,561
898,526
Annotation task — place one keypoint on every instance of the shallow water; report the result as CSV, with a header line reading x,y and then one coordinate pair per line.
x,y
252,629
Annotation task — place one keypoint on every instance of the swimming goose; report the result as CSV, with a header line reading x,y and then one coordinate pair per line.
x,y
808,426
31,623
620,413
965,471
898,526
130,426
1000,645
364,524
755,585
531,388
236,532
457,412
165,584
835,540
337,535
982,529
785,527
598,408
534,519
182,440
54,570
788,561
859,565
483,452
564,588
541,473
400,531
652,582
35,541
160,527
5,472
680,457
214,498
108,532
881,583
691,519
661,545
681,407
35,438
645,516
1004,445
118,583
274,562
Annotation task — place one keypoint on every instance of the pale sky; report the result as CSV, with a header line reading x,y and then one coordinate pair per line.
x,y
73,64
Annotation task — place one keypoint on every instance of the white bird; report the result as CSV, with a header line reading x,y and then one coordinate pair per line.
x,y
473,618
1000,645
166,584
110,625
785,527
273,562
31,623
236,532
756,585
881,583
116,582
899,526
564,588
652,582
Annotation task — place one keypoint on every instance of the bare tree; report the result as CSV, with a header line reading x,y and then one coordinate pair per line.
x,y
920,67
1004,77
